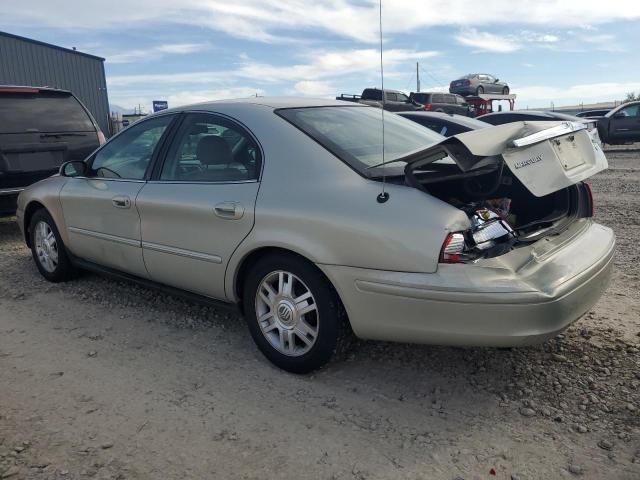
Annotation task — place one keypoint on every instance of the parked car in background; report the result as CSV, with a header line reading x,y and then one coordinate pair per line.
x,y
394,100
477,83
441,102
500,118
275,205
446,124
40,129
593,113
621,125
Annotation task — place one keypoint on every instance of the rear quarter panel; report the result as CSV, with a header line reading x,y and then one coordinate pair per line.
x,y
313,204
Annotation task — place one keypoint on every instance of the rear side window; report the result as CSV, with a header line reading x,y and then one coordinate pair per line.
x,y
421,97
438,98
42,112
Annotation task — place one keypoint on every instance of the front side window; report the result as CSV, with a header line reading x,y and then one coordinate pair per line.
x,y
129,154
354,134
631,111
402,98
209,148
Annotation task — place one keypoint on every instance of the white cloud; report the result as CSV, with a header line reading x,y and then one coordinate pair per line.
x,y
156,52
542,95
313,88
166,79
487,42
491,42
130,100
321,64
269,20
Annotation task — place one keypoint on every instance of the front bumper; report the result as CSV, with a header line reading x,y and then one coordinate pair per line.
x,y
521,298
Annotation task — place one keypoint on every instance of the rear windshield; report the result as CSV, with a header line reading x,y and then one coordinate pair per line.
x,y
354,134
421,97
42,112
372,94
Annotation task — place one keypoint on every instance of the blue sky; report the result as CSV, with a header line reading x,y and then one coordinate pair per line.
x,y
561,51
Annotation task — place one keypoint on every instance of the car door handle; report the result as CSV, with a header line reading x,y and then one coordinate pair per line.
x,y
229,210
121,201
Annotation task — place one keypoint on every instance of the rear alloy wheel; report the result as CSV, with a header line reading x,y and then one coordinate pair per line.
x,y
479,90
47,248
505,91
294,315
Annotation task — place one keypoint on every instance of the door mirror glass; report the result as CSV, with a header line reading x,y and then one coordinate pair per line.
x,y
74,168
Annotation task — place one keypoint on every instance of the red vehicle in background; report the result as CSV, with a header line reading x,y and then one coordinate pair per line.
x,y
483,103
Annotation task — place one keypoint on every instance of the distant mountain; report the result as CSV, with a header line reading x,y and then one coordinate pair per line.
x,y
120,110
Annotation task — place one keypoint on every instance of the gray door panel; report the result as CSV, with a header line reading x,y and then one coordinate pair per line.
x,y
102,222
190,230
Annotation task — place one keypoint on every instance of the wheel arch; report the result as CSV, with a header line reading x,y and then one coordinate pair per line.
x,y
29,211
255,255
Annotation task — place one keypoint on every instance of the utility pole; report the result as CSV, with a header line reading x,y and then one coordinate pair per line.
x,y
417,77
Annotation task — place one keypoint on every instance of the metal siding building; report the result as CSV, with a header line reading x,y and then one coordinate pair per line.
x,y
28,62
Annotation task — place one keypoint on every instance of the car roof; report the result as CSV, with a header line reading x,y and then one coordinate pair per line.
x,y
271,102
451,117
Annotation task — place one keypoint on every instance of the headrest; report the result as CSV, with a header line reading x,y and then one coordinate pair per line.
x,y
214,150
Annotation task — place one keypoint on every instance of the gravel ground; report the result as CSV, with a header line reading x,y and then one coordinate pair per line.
x,y
101,379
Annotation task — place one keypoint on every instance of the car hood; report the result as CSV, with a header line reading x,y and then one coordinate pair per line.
x,y
544,156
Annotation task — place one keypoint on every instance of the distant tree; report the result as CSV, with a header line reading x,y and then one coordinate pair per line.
x,y
631,97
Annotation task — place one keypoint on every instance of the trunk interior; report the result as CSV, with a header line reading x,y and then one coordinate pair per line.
x,y
504,214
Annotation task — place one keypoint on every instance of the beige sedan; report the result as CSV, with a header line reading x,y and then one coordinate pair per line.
x,y
291,210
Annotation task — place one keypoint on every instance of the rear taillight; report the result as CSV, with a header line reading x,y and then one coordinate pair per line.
x,y
452,248
101,138
428,106
467,82
587,187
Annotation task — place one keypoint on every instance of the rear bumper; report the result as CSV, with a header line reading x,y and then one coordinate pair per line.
x,y
522,298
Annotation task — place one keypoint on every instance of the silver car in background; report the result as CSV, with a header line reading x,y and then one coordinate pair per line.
x,y
276,205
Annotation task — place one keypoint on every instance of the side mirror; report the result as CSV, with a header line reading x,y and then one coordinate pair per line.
x,y
73,168
619,115
496,80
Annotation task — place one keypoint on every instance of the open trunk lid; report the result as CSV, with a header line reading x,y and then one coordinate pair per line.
x,y
545,156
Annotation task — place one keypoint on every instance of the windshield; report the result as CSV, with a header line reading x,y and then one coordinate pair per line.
x,y
354,134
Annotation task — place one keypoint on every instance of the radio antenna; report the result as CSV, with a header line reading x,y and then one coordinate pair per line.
x,y
384,195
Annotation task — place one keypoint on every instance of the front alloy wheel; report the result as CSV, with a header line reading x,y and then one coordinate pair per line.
x,y
47,248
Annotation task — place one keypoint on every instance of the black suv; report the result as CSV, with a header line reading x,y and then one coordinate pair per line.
x,y
441,102
40,128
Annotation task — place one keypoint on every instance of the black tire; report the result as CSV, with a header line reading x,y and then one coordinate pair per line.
x,y
505,91
479,90
334,333
63,269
